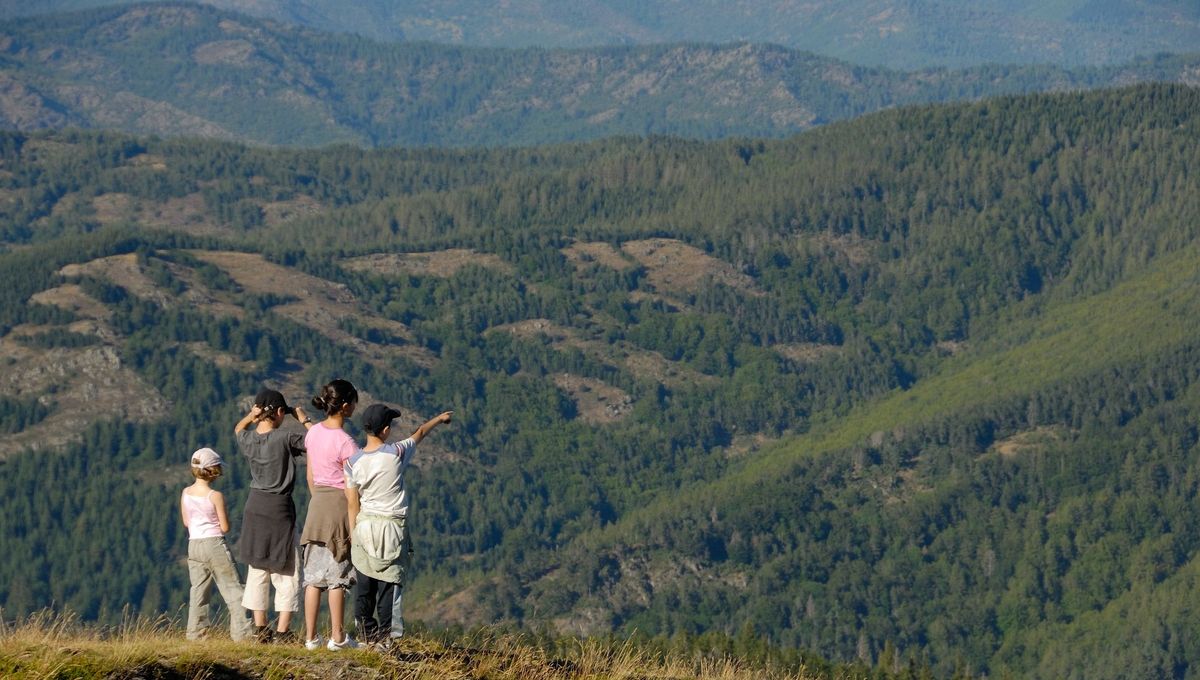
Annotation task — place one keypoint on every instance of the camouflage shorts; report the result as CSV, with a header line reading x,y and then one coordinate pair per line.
x,y
322,571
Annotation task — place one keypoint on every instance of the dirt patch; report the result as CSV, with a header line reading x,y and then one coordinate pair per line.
x,y
188,213
669,304
596,402
127,272
950,347
662,370
147,160
676,267
439,263
531,328
112,208
220,359
1031,441
322,306
84,385
200,296
280,212
746,444
70,204
583,255
72,298
256,275
806,352
124,271
640,362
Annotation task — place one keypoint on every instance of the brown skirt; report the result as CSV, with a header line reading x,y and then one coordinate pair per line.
x,y
328,522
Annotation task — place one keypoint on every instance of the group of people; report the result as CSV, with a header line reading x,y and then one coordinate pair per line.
x,y
354,535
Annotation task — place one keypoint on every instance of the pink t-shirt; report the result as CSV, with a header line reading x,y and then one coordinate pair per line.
x,y
328,450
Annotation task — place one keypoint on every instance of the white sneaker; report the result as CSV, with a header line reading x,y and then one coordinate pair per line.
x,y
346,643
315,643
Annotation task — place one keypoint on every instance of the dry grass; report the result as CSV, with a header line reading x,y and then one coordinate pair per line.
x,y
643,363
676,267
596,402
49,645
85,384
584,254
440,263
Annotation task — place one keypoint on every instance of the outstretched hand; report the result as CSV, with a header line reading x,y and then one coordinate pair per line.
x,y
445,417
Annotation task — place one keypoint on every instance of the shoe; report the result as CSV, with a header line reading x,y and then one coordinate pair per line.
x,y
388,645
346,643
315,643
286,637
263,634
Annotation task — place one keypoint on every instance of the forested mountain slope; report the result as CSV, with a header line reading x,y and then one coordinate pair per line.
x,y
195,71
900,34
918,385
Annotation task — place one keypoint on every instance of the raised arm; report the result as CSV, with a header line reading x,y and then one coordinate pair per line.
x,y
301,416
247,420
430,424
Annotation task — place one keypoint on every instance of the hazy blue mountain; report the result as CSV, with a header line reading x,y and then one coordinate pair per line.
x,y
898,33
194,70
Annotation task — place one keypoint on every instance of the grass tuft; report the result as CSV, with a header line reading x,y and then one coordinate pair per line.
x,y
55,645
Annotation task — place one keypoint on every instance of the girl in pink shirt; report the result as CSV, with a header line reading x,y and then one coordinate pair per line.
x,y
326,538
202,510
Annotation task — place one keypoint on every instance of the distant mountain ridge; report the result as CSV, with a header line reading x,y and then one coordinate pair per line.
x,y
896,33
178,69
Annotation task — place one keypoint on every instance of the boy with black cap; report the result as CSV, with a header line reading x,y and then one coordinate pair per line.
x,y
268,541
378,503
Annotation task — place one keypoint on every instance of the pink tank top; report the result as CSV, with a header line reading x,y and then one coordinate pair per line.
x,y
202,516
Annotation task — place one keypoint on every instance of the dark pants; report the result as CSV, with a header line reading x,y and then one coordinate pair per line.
x,y
374,601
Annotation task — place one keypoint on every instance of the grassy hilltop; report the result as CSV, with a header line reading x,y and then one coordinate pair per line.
x,y
54,646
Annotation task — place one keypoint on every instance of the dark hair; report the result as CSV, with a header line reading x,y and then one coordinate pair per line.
x,y
335,396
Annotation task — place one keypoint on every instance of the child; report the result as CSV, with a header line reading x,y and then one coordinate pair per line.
x,y
378,508
203,513
326,537
268,543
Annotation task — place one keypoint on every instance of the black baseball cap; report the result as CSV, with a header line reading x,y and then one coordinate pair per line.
x,y
269,400
378,416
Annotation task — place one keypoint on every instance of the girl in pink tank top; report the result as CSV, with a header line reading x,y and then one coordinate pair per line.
x,y
202,510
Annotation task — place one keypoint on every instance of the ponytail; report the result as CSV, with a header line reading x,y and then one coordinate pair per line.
x,y
335,396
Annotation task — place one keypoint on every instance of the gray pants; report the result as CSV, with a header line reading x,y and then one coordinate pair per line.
x,y
209,560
